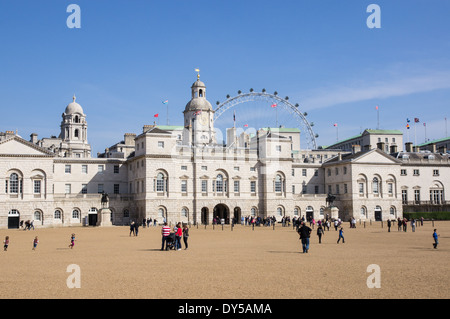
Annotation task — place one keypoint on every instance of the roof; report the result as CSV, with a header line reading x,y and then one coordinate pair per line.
x,y
367,131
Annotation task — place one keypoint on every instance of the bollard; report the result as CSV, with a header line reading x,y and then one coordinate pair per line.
x,y
364,224
253,226
381,224
222,227
432,221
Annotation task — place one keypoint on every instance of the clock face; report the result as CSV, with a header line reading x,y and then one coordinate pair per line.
x,y
204,119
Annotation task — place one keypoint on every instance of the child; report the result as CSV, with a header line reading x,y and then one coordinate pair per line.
x,y
72,241
35,242
6,243
435,237
341,235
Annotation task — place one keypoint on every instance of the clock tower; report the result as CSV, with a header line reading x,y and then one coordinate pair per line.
x,y
199,117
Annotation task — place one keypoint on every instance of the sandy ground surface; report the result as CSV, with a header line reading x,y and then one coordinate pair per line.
x,y
222,264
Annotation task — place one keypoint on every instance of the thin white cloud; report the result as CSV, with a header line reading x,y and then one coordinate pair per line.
x,y
391,87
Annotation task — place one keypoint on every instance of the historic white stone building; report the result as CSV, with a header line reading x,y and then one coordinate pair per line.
x,y
181,173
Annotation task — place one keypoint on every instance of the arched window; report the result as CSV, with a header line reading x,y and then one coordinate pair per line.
x,y
37,215
76,133
253,212
77,119
392,211
160,182
278,184
75,214
200,93
57,214
279,211
375,185
363,211
296,211
14,184
219,183
184,212
161,212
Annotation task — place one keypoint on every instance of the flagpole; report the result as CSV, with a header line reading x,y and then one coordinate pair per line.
x,y
425,126
446,127
167,104
378,118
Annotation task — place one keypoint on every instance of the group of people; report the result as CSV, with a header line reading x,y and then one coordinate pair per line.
x,y
305,233
173,239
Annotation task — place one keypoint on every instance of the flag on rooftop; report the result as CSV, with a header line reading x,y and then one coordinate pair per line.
x,y
156,115
416,120
165,102
335,124
274,105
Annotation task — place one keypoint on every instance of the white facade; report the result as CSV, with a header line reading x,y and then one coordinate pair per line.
x,y
180,173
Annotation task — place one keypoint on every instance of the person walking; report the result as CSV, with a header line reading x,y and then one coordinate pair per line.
x,y
6,243
165,232
35,242
136,228
132,229
320,232
435,237
341,235
72,241
185,236
305,233
389,225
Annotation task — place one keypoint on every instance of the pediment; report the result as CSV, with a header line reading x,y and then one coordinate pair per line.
x,y
17,146
375,156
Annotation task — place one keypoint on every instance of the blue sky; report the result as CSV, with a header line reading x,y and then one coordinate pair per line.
x,y
129,56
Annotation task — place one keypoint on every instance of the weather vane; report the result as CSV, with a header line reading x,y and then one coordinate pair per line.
x,y
198,73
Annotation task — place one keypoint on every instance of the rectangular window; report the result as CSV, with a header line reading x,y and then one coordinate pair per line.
x,y
84,169
253,186
304,189
316,172
184,168
252,169
68,188
204,186
293,189
416,172
116,188
316,189
160,144
116,169
100,188
345,188
435,172
204,168
184,186
236,168
417,196
304,172
236,186
83,188
37,187
390,188
68,169
337,189
403,172
404,196
278,148
101,168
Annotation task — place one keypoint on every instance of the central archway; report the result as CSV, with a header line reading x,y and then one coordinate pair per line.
x,y
221,211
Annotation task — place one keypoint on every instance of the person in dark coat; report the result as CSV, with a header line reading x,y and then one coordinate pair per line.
x,y
305,233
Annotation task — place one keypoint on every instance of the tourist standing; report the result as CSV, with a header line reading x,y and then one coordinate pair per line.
x,y
305,233
341,235
178,235
185,236
165,232
389,225
413,225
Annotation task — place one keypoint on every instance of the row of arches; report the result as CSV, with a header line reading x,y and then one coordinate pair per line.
x,y
59,216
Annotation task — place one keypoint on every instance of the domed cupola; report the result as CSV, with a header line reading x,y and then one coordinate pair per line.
x,y
198,100
73,108
199,117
